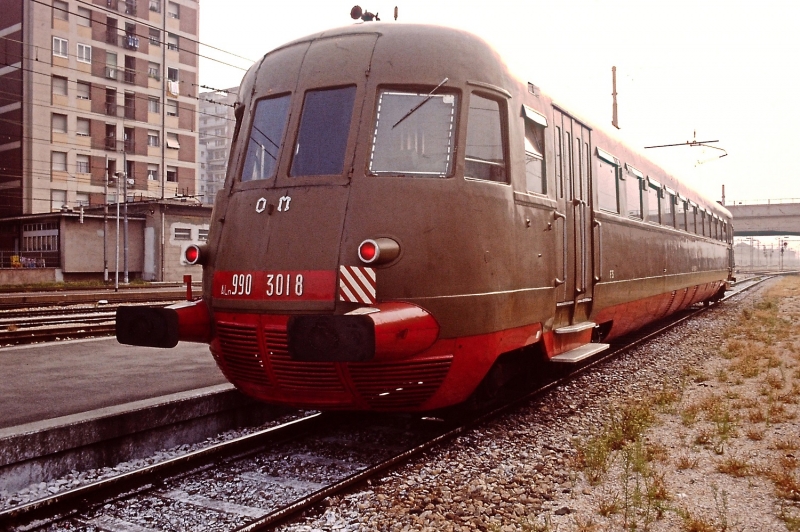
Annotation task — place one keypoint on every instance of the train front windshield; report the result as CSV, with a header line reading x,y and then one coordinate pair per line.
x,y
414,134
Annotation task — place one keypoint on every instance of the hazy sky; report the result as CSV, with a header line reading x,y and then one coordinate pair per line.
x,y
727,69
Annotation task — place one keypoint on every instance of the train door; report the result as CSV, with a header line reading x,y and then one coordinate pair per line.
x,y
573,158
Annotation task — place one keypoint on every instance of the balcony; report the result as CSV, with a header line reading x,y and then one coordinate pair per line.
x,y
111,36
130,112
130,146
111,108
113,4
130,76
130,8
111,143
131,42
111,72
155,5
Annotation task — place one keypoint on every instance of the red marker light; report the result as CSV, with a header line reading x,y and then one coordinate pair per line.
x,y
192,254
378,251
368,251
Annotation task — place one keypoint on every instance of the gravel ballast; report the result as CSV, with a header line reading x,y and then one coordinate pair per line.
x,y
524,471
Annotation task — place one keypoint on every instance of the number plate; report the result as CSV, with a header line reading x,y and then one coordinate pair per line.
x,y
304,285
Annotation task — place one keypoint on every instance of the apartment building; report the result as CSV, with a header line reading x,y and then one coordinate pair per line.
x,y
216,132
96,88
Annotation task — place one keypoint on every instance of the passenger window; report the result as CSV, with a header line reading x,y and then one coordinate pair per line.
x,y
266,135
413,134
608,173
666,214
324,128
485,153
535,178
693,219
633,192
653,203
680,214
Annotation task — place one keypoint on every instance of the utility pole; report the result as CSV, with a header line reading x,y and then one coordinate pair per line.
x,y
105,225
116,261
125,186
614,121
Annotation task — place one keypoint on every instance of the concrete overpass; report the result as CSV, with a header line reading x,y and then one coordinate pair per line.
x,y
766,217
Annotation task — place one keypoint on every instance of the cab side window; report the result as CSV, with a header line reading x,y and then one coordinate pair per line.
x,y
485,150
535,177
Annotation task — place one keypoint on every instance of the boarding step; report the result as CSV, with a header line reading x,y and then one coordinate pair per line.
x,y
578,327
580,353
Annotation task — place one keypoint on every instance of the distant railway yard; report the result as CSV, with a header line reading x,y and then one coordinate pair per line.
x,y
686,428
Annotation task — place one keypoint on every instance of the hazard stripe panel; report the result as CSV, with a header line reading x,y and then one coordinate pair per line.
x,y
357,284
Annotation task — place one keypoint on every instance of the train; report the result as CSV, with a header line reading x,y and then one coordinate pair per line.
x,y
405,224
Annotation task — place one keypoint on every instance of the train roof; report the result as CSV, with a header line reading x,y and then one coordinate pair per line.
x,y
435,52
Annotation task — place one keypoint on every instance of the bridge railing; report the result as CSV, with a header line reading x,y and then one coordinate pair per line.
x,y
762,201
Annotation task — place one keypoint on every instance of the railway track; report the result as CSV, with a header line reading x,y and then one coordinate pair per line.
x,y
257,481
49,324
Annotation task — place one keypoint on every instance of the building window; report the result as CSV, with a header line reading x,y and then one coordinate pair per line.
x,y
155,5
111,65
59,161
173,10
172,141
183,233
155,37
172,42
152,138
82,199
59,85
84,90
172,108
82,164
608,181
60,10
172,74
484,153
153,105
82,127
172,174
202,235
84,53
59,123
154,70
84,16
60,47
152,172
58,198
535,178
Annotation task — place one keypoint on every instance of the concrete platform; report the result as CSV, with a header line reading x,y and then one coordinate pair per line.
x,y
49,380
84,404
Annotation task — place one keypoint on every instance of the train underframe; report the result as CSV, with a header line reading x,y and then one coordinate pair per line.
x,y
410,368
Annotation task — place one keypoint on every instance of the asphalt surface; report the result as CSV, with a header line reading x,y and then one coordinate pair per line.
x,y
49,380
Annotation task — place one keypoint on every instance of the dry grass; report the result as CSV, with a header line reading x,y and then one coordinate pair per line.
x,y
751,388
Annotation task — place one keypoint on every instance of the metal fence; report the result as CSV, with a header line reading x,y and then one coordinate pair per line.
x,y
30,259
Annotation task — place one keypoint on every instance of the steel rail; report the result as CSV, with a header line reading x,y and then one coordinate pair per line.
x,y
138,479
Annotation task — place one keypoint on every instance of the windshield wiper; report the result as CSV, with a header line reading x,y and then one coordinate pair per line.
x,y
420,104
